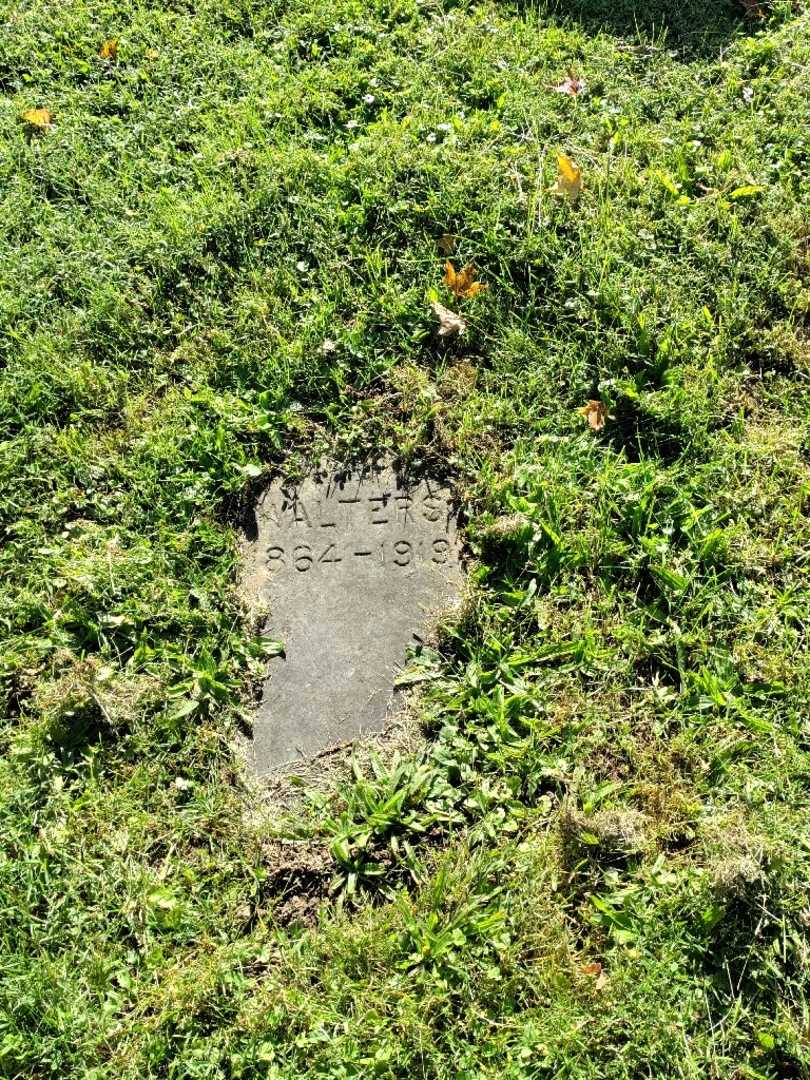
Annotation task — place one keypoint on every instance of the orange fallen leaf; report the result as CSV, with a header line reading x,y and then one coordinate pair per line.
x,y
572,85
109,50
600,982
37,118
450,324
462,283
596,414
569,178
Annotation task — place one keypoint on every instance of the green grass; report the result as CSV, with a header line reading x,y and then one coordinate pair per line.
x,y
616,767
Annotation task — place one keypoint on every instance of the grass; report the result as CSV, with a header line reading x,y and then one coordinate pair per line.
x,y
597,865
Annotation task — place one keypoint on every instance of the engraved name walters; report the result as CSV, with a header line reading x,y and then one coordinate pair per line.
x,y
388,508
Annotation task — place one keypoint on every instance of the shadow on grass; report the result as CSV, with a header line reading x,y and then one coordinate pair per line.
x,y
694,28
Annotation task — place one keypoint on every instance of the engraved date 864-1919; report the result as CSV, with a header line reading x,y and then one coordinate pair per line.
x,y
397,553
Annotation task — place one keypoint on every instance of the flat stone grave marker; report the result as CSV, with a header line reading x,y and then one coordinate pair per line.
x,y
353,570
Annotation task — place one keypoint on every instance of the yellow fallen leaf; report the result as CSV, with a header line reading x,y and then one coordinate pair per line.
x,y
109,50
461,283
601,981
37,118
569,178
450,324
596,414
746,191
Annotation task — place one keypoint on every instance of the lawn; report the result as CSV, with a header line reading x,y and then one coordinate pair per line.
x,y
220,246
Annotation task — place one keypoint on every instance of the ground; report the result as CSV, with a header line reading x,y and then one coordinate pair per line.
x,y
220,244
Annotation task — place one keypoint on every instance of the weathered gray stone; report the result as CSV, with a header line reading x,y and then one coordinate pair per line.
x,y
351,569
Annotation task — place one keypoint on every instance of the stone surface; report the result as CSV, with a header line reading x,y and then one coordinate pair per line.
x,y
351,569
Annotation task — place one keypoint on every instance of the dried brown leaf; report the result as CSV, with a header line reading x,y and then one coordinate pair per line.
x,y
446,243
450,324
572,85
595,412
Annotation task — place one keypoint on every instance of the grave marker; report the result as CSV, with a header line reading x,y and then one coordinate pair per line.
x,y
352,569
